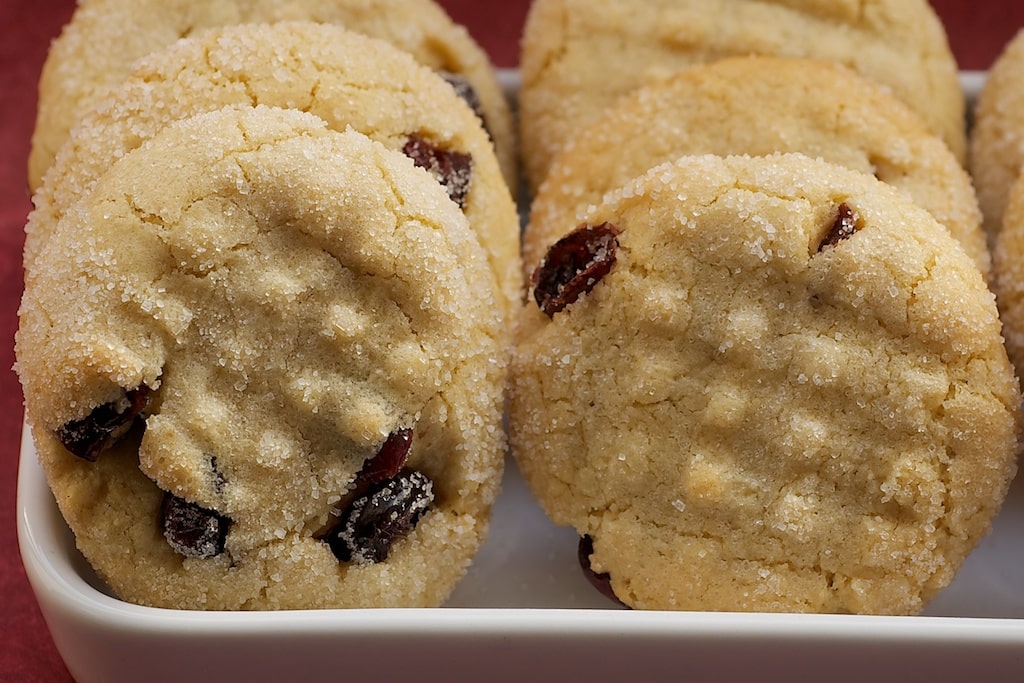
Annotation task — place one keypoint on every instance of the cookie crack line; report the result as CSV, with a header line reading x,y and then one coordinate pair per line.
x,y
553,58
345,80
241,77
313,103
772,193
145,216
397,205
186,30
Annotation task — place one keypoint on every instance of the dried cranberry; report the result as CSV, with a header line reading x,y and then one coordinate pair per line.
x,y
101,429
843,227
602,582
390,459
385,514
385,464
465,90
454,170
573,265
192,530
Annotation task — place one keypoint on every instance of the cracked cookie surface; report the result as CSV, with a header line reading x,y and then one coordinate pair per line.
x,y
104,37
346,79
756,106
579,56
281,302
788,393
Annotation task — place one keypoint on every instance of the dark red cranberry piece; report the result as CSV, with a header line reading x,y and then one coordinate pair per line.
x,y
454,170
192,530
390,459
602,582
100,429
385,464
376,520
573,265
843,227
465,90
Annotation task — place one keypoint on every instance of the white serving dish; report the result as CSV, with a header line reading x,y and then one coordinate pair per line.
x,y
523,612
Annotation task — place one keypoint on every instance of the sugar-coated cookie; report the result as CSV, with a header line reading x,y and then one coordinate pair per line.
x,y
1008,273
97,47
997,136
765,384
757,106
345,78
262,366
579,56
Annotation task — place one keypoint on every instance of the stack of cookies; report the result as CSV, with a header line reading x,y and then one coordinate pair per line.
x,y
761,368
579,56
268,276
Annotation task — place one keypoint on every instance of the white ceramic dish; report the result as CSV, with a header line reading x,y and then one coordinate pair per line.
x,y
523,612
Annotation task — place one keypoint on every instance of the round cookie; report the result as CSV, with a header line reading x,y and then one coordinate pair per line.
x,y
104,37
1008,273
345,78
579,56
303,321
765,384
997,135
757,106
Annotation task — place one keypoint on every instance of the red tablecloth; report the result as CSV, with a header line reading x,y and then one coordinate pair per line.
x,y
977,30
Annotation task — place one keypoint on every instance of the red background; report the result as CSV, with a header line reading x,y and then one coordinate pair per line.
x,y
977,33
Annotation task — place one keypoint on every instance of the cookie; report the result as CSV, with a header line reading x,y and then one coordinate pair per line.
x,y
765,384
757,106
104,37
261,363
997,134
345,78
1008,270
579,57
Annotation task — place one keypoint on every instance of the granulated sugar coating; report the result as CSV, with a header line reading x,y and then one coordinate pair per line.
x,y
997,136
1008,267
292,296
790,393
346,79
96,50
757,106
579,56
